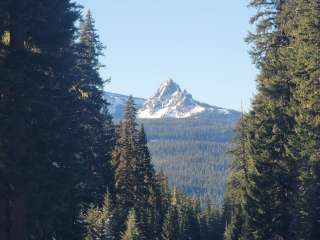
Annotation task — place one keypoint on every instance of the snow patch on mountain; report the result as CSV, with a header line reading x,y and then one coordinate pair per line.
x,y
118,102
172,102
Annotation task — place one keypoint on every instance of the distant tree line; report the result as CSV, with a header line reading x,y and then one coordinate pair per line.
x,y
196,128
193,152
197,168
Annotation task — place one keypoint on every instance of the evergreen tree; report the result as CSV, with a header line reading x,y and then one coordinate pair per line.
x,y
147,188
304,61
161,203
99,221
36,106
266,202
91,43
90,171
216,222
97,136
273,180
170,228
125,159
4,22
235,196
132,232
45,129
134,174
145,168
204,227
190,221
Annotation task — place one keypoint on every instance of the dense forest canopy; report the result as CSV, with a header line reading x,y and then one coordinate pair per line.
x,y
194,153
274,186
67,171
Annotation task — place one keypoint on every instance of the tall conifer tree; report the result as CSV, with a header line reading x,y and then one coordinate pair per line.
x,y
125,159
235,197
136,184
147,188
100,221
170,228
45,94
97,135
36,115
304,67
132,232
272,178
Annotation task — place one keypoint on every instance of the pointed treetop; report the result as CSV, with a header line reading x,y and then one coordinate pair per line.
x,y
132,232
131,110
174,199
87,28
107,200
89,36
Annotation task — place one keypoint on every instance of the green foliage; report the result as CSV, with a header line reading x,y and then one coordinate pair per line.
x,y
196,129
97,130
132,232
197,168
90,40
57,139
187,219
170,228
271,188
136,184
35,100
266,195
190,224
126,161
159,213
303,67
235,196
99,221
192,153
54,136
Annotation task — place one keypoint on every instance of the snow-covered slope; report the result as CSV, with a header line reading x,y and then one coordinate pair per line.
x,y
118,102
172,102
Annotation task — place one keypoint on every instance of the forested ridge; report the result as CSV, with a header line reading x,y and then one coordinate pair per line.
x,y
193,153
67,171
197,168
199,128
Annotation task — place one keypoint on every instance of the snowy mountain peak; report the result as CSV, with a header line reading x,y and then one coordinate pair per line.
x,y
171,102
167,88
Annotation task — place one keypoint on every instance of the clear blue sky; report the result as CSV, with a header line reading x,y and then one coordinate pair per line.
x,y
198,43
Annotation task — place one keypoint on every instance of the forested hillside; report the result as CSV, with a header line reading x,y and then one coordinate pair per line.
x,y
199,128
193,153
